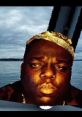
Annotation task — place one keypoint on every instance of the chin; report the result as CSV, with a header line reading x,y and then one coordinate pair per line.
x,y
45,101
49,99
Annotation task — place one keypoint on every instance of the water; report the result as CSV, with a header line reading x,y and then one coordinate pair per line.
x,y
76,78
10,72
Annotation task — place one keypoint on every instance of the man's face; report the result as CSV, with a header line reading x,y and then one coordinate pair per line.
x,y
46,73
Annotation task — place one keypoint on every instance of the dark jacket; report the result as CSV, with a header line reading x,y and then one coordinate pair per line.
x,y
13,92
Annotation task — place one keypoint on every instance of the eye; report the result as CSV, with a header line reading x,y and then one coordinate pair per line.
x,y
62,68
35,65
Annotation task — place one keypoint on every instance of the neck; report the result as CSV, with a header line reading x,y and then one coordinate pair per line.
x,y
25,100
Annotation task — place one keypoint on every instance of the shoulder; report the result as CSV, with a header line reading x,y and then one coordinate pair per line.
x,y
76,95
7,91
75,91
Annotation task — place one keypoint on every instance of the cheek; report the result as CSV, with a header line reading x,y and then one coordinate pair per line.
x,y
62,79
32,75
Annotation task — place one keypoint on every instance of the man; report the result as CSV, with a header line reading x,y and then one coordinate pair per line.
x,y
45,73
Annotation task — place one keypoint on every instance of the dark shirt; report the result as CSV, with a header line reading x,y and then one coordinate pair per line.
x,y
13,92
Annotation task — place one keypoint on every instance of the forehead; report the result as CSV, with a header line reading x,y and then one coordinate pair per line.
x,y
41,47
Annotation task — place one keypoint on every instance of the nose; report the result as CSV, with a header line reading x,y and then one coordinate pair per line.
x,y
48,72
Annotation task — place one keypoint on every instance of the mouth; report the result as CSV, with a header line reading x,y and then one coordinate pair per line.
x,y
46,85
47,88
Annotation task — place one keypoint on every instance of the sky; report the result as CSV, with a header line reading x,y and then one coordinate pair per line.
x,y
18,24
78,54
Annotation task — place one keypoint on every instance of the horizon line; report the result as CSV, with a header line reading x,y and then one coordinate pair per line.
x,y
21,59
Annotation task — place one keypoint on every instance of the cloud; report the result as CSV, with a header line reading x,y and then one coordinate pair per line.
x,y
17,24
13,17
10,18
24,18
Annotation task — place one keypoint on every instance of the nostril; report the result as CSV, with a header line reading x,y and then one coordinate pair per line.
x,y
42,75
45,76
53,76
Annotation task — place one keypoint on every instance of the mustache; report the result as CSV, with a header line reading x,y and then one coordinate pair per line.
x,y
46,85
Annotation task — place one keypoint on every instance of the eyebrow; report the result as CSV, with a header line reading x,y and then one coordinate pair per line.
x,y
62,61
37,58
41,59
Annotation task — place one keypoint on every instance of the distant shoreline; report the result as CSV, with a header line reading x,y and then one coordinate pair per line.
x,y
11,59
21,59
78,60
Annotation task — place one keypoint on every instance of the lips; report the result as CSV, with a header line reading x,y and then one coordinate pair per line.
x,y
47,88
